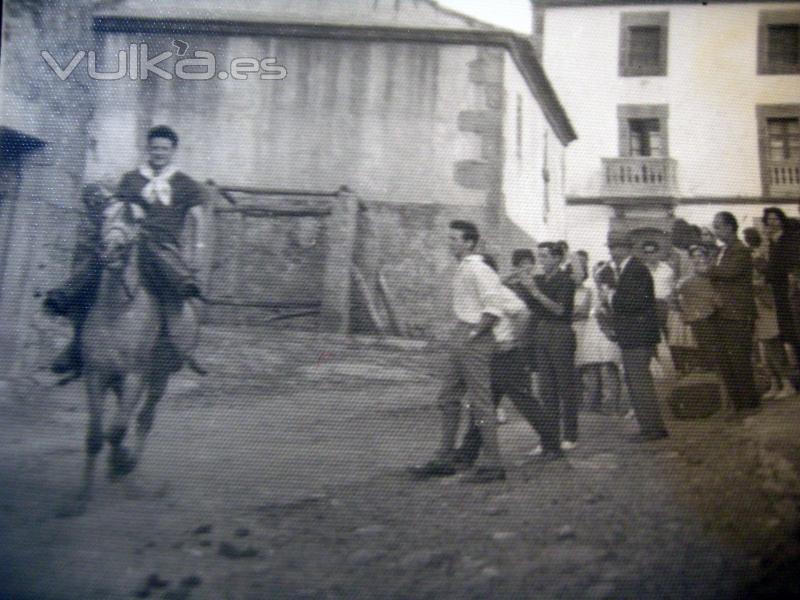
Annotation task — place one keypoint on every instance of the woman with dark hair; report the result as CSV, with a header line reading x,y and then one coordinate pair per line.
x,y
784,258
766,331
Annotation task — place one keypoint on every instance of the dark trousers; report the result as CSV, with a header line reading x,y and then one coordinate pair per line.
x,y
80,288
662,313
641,389
510,376
555,360
785,315
164,271
734,356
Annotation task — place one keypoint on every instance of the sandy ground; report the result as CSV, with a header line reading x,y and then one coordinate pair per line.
x,y
282,475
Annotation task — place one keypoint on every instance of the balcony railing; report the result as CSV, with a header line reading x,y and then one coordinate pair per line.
x,y
784,178
639,176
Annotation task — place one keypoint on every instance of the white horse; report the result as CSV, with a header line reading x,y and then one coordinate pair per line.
x,y
123,351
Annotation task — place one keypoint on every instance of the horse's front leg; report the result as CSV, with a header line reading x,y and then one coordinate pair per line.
x,y
96,387
121,461
156,386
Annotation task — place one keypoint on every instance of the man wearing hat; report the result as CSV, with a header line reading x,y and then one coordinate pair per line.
x,y
635,324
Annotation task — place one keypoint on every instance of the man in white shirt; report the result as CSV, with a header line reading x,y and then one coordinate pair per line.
x,y
511,363
478,300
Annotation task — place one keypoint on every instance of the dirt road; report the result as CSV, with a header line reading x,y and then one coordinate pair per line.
x,y
282,475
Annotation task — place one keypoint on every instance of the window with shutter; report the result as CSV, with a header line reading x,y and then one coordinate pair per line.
x,y
645,137
644,50
782,44
779,133
643,44
779,43
643,130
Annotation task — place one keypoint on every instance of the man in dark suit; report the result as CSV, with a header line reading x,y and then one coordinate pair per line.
x,y
635,323
732,278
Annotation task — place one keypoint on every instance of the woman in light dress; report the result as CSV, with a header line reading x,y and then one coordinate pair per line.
x,y
597,358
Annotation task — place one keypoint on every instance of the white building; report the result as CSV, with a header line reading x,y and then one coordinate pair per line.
x,y
681,109
423,114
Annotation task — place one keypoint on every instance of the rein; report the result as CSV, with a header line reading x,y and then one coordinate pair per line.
x,y
131,262
125,288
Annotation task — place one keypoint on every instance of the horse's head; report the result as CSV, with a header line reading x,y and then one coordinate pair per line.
x,y
120,231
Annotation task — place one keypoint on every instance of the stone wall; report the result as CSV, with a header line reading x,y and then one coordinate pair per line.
x,y
36,103
415,129
407,245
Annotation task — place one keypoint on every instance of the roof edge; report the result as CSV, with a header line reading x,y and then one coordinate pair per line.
x,y
601,3
518,46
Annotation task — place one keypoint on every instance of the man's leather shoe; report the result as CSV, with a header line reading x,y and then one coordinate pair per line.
x,y
434,468
741,414
464,458
485,475
550,456
643,438
190,290
56,303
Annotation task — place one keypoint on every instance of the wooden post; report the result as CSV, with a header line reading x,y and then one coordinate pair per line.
x,y
337,280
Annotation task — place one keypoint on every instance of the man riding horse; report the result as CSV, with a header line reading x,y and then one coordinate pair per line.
x,y
162,197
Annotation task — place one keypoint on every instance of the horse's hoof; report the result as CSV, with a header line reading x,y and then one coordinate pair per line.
x,y
121,463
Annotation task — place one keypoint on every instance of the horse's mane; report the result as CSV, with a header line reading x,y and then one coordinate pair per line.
x,y
121,217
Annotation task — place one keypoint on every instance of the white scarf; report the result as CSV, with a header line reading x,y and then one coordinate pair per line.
x,y
158,188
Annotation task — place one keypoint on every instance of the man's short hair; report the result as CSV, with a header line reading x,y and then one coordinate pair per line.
x,y
468,229
583,254
490,260
619,239
554,248
162,131
520,255
777,212
729,220
752,237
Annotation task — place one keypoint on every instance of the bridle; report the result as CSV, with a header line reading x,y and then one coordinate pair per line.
x,y
117,230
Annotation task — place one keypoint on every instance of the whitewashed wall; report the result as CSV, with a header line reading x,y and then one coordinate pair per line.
x,y
711,88
523,185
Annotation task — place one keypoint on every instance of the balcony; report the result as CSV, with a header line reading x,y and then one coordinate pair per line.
x,y
784,178
639,176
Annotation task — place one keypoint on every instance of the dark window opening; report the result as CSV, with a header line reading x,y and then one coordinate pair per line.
x,y
783,44
643,43
783,139
645,47
645,137
779,42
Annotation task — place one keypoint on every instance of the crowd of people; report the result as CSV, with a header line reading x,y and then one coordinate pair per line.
x,y
590,336
557,335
